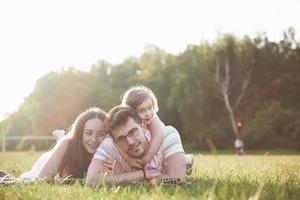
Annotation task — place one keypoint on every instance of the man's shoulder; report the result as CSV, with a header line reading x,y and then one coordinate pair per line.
x,y
170,128
168,131
108,149
107,140
171,143
107,144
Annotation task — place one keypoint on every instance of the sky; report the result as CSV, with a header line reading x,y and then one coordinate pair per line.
x,y
38,36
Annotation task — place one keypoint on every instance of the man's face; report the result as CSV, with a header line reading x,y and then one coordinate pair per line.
x,y
130,138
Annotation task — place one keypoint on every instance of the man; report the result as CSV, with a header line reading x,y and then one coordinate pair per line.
x,y
129,136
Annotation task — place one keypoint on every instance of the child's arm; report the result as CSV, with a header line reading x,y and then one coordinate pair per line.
x,y
155,143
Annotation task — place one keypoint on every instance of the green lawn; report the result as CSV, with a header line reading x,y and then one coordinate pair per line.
x,y
214,177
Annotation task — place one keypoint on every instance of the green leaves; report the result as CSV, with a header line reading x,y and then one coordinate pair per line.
x,y
186,90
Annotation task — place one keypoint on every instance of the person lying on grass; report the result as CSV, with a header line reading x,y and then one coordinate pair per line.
x,y
73,152
71,155
127,134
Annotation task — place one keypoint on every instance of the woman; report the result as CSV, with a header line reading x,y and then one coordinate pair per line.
x,y
73,153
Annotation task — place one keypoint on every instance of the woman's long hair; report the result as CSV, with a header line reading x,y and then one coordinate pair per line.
x,y
76,157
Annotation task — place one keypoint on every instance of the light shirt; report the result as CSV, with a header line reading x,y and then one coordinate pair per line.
x,y
171,144
238,143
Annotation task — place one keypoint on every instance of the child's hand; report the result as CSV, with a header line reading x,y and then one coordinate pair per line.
x,y
136,163
143,162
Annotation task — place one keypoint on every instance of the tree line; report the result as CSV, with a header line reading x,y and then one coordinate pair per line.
x,y
258,79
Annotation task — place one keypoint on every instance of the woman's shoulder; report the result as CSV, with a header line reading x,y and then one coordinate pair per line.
x,y
107,142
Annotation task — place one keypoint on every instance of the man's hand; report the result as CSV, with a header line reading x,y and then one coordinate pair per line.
x,y
152,175
112,166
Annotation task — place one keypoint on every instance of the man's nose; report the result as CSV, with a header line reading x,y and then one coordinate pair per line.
x,y
129,140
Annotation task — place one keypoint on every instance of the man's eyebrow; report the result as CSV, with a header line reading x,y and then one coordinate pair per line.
x,y
133,129
101,131
120,137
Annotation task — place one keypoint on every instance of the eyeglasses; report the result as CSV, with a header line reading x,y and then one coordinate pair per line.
x,y
133,133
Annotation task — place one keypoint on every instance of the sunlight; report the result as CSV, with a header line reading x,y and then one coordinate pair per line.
x,y
34,40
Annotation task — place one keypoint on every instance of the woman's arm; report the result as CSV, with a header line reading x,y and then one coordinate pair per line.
x,y
51,167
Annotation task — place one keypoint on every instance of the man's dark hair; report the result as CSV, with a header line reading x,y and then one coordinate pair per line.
x,y
119,115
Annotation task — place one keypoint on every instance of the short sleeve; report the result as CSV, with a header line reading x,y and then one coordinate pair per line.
x,y
104,150
171,143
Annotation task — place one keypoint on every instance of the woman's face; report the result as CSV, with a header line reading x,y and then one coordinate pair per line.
x,y
93,134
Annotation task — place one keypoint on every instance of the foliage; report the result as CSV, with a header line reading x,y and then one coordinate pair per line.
x,y
273,127
187,93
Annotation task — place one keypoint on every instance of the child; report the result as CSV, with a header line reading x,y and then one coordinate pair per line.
x,y
144,102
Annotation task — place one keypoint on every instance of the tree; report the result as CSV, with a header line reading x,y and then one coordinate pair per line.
x,y
227,79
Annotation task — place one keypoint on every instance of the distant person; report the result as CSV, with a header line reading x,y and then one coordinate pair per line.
x,y
73,152
129,135
239,147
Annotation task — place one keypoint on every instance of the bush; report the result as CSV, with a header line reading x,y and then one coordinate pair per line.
x,y
273,127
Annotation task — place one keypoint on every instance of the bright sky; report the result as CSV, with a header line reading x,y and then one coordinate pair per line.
x,y
38,36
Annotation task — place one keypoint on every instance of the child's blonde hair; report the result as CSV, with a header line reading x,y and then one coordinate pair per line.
x,y
136,95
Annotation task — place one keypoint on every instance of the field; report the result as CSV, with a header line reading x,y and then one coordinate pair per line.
x,y
213,177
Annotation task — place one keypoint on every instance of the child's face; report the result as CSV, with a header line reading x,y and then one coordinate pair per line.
x,y
146,111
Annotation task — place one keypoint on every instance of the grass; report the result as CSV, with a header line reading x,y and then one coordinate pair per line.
x,y
248,151
214,177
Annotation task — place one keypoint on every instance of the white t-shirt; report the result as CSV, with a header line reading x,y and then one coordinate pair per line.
x,y
238,143
171,144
